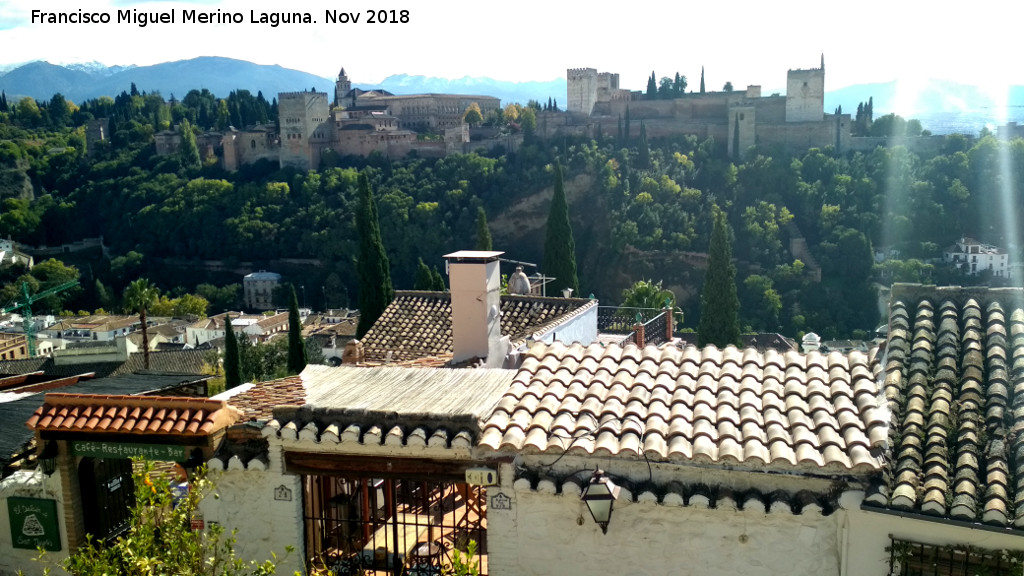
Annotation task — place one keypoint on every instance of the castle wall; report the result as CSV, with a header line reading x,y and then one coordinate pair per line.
x,y
742,129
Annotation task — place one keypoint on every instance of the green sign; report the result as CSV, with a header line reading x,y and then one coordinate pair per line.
x,y
34,523
124,450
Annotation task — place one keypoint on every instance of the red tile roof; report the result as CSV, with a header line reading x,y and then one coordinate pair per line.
x,y
162,415
258,402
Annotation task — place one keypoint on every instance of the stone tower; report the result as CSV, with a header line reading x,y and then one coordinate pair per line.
x,y
305,130
582,90
805,94
342,86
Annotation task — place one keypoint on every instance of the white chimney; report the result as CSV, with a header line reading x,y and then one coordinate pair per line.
x,y
476,302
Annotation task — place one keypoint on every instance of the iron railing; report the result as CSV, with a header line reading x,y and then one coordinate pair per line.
x,y
656,329
391,526
917,559
620,320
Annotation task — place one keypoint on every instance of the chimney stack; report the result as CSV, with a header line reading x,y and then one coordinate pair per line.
x,y
475,282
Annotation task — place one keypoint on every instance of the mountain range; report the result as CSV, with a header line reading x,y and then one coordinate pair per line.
x,y
942,106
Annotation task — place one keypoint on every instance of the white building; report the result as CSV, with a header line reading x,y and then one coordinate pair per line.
x,y
258,289
973,257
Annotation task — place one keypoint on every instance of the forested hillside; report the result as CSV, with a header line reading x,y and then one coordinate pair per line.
x,y
640,210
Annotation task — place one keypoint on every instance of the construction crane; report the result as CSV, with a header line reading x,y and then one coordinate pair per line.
x,y
25,306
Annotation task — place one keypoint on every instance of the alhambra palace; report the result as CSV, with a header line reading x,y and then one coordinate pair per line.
x,y
361,122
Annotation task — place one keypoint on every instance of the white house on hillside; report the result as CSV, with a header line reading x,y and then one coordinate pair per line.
x,y
973,257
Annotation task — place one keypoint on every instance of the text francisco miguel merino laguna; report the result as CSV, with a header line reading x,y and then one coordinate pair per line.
x,y
143,18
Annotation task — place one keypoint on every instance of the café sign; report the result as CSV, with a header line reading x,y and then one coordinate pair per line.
x,y
128,450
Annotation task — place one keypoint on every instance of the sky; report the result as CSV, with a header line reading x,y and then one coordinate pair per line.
x,y
740,41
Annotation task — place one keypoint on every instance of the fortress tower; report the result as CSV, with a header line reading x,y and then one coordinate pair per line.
x,y
582,90
303,118
805,94
342,86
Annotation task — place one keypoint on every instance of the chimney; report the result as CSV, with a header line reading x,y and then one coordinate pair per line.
x,y
476,303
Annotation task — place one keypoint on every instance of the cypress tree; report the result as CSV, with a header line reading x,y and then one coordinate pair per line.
x,y
438,285
232,361
736,137
701,79
189,151
373,268
483,233
719,303
643,150
424,277
652,87
559,246
618,137
296,347
626,130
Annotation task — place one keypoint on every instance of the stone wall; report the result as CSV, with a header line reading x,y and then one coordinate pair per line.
x,y
805,95
581,90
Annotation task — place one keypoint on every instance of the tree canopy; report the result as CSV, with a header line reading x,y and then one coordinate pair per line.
x,y
559,245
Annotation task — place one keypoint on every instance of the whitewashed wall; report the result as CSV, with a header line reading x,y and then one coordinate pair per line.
x,y
869,535
252,503
546,533
30,484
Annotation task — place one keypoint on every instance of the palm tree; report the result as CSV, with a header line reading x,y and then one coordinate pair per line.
x,y
650,294
138,296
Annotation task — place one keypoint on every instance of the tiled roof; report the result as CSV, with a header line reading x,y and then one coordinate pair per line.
x,y
132,415
410,407
790,412
954,384
258,402
418,324
178,361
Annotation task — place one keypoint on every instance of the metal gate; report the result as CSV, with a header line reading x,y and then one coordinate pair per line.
x,y
108,494
392,526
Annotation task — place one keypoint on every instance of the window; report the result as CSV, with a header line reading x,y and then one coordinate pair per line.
x,y
917,559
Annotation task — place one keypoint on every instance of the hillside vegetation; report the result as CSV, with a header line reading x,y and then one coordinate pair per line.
x,y
640,210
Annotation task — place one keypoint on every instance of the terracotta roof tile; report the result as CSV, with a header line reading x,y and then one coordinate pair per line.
x,y
418,324
736,407
161,415
955,412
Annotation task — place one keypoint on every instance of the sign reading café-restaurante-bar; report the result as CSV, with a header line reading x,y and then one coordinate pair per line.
x,y
127,450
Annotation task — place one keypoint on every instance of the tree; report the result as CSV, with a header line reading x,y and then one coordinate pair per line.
x,y
559,246
232,358
296,346
372,267
424,277
189,151
438,281
483,233
652,87
701,79
727,87
160,538
472,115
138,296
651,294
719,303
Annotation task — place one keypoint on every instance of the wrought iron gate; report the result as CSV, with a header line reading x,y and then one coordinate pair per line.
x,y
392,526
108,494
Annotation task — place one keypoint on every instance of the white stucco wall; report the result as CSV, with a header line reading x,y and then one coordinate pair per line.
x,y
547,533
581,328
864,551
30,484
264,524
